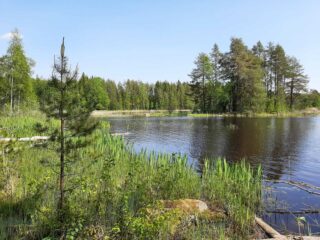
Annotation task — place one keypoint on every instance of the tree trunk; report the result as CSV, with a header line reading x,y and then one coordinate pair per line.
x,y
11,94
62,147
18,102
291,94
203,95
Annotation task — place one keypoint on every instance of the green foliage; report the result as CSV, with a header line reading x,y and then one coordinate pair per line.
x,y
238,186
64,103
113,94
308,100
117,194
243,69
135,95
93,90
201,75
263,79
297,81
155,223
16,87
243,80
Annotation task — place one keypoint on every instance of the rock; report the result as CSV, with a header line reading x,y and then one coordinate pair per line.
x,y
190,206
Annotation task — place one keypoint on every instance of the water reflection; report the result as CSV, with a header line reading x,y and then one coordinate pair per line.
x,y
287,148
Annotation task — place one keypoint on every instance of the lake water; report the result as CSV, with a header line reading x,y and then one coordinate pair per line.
x,y
287,148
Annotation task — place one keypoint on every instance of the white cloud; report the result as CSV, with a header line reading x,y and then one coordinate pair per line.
x,y
8,36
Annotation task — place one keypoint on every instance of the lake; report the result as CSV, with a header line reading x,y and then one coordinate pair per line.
x,y
287,149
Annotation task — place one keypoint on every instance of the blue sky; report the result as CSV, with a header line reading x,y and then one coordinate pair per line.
x,y
157,40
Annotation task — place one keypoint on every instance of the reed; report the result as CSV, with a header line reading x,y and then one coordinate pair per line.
x,y
238,186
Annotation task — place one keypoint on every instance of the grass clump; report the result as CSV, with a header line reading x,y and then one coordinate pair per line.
x,y
238,187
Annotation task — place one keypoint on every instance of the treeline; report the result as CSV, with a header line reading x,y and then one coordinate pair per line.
x,y
129,95
260,79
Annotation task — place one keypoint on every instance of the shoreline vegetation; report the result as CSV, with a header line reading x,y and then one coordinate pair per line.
x,y
189,113
119,194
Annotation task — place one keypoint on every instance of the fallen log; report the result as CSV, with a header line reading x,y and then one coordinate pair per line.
x,y
275,235
44,138
268,229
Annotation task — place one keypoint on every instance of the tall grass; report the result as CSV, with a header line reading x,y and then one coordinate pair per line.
x,y
238,186
112,187
24,126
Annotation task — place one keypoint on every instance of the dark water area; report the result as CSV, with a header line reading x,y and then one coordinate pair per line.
x,y
288,149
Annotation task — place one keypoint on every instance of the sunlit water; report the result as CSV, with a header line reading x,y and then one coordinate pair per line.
x,y
287,149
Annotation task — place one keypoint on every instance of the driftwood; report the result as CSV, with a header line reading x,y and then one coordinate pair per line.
x,y
120,134
268,229
275,235
25,139
43,138
301,185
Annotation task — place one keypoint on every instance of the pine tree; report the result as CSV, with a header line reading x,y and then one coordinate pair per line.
x,y
243,70
216,57
259,50
200,76
65,103
279,66
297,80
215,85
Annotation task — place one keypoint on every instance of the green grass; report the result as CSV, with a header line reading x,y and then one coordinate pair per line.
x,y
238,186
296,113
112,188
24,126
139,113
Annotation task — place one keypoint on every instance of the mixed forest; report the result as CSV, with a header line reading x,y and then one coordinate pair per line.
x,y
243,79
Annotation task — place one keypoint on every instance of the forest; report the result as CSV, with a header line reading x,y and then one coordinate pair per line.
x,y
260,79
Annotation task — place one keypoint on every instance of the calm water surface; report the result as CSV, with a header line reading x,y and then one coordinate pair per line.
x,y
287,149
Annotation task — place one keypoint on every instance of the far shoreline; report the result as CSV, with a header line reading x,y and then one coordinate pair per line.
x,y
189,113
